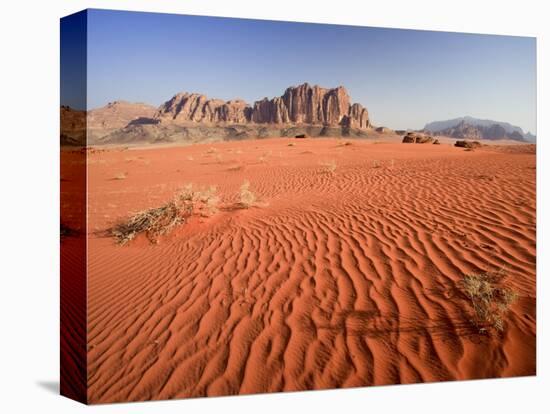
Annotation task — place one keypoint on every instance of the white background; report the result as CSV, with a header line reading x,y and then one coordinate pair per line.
x,y
29,194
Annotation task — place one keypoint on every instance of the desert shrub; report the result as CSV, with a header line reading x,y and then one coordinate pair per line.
x,y
489,298
120,176
246,197
161,220
236,168
329,166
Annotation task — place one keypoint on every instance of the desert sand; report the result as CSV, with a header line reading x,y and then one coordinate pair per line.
x,y
345,273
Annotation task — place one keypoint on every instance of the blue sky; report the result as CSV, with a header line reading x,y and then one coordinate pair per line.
x,y
405,78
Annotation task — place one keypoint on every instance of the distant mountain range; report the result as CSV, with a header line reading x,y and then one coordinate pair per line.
x,y
303,110
191,117
469,127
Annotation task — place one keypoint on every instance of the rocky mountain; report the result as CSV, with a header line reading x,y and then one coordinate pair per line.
x,y
306,109
300,105
492,132
469,127
118,114
185,108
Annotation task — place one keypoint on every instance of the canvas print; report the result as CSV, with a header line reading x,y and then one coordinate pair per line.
x,y
253,206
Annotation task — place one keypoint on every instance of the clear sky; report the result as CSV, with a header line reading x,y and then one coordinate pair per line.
x,y
405,78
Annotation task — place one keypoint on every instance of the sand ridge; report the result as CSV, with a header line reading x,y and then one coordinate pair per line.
x,y
340,278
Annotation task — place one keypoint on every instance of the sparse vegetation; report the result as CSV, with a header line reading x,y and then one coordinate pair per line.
x,y
246,197
235,168
329,166
120,176
161,220
489,298
292,144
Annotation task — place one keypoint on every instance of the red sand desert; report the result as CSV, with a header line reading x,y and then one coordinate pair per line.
x,y
346,271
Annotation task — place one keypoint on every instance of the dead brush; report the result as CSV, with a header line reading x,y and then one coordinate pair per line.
x,y
120,176
247,198
159,221
328,166
490,300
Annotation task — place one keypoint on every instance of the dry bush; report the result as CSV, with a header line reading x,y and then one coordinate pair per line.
x,y
161,220
235,168
246,197
329,166
292,144
153,222
120,176
201,201
489,298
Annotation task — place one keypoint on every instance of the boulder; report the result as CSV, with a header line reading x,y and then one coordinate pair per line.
x,y
417,138
467,144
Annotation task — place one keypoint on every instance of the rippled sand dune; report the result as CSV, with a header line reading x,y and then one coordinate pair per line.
x,y
339,278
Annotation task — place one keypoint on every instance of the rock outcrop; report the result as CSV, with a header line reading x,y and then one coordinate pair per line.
x,y
467,144
194,107
417,138
191,117
301,105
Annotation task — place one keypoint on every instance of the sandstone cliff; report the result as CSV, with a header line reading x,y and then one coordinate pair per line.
x,y
305,109
300,105
194,107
